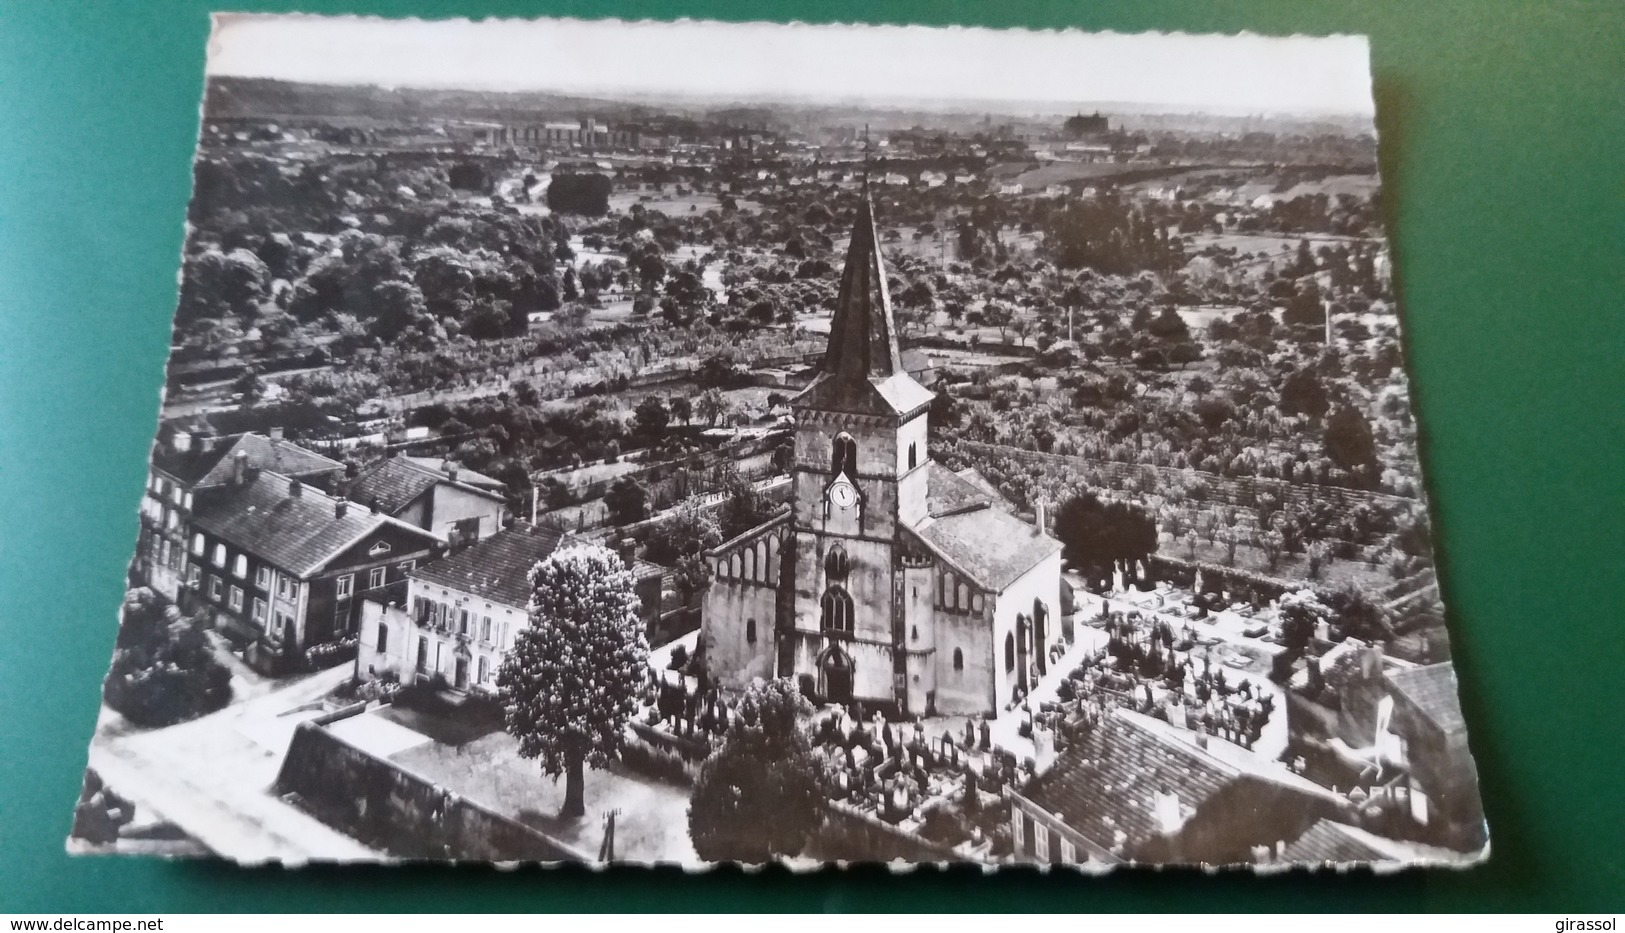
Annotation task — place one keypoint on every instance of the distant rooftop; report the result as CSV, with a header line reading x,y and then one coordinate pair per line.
x,y
397,482
209,461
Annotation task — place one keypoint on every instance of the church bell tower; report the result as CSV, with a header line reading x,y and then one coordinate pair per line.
x,y
859,480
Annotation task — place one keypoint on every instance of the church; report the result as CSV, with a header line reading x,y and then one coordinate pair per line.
x,y
891,580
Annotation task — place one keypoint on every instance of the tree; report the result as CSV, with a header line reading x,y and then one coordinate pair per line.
x,y
1350,444
681,542
249,385
627,501
1305,306
396,304
569,684
469,176
579,194
682,409
711,405
1169,327
217,284
742,509
1303,394
1300,613
1356,615
1097,534
759,796
650,418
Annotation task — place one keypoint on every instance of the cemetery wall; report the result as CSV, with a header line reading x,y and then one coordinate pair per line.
x,y
853,836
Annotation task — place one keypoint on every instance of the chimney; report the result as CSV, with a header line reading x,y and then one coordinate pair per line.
x,y
181,442
275,433
295,488
448,467
628,549
340,507
1041,518
239,467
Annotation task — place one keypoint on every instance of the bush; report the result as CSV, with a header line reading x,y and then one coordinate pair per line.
x,y
331,653
664,766
164,670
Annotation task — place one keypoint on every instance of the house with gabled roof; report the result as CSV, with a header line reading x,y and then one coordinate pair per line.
x,y
458,616
1432,736
185,465
455,504
891,580
1125,792
279,566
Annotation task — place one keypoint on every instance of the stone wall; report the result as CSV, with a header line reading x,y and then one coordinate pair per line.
x,y
850,835
390,808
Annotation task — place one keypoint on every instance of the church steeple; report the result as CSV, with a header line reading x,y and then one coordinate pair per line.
x,y
863,333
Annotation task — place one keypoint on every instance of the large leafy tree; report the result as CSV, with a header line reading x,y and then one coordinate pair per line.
x,y
1096,534
217,284
569,683
759,796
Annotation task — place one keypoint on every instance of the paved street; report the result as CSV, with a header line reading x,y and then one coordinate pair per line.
x,y
212,776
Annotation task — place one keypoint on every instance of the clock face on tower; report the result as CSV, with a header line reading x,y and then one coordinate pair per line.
x,y
843,494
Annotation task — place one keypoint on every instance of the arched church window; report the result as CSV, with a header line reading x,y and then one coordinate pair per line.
x,y
837,611
836,564
750,564
1010,651
959,660
844,457
964,597
913,456
750,631
914,633
761,561
733,565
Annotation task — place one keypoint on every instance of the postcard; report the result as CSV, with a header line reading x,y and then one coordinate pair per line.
x,y
686,443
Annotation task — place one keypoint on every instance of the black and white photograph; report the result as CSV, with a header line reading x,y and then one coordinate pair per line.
x,y
680,443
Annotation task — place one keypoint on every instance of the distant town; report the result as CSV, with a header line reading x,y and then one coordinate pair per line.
x,y
560,478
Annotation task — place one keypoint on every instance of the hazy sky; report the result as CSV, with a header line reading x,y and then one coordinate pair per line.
x,y
763,61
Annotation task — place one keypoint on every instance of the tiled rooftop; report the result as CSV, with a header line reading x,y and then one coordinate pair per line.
x,y
498,568
1433,690
202,468
298,533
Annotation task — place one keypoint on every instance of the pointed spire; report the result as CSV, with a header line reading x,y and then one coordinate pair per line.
x,y
863,333
866,161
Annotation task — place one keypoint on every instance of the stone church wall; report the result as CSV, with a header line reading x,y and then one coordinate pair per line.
x,y
970,690
732,655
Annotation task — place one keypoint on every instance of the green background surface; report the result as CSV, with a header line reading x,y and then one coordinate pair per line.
x,y
1502,134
